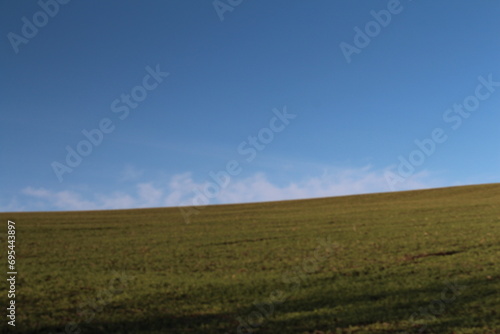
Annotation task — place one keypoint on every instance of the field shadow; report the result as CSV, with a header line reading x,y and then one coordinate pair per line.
x,y
426,304
297,315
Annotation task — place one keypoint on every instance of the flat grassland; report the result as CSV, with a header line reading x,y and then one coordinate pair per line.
x,y
416,262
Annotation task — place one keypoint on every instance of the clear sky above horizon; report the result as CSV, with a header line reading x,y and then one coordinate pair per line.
x,y
263,100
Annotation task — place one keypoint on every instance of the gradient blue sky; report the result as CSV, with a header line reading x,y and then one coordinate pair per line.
x,y
354,120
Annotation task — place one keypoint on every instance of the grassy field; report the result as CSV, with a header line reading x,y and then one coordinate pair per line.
x,y
409,262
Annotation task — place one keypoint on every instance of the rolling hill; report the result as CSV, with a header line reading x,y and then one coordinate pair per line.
x,y
407,262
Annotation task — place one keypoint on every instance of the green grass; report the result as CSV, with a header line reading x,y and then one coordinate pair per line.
x,y
356,264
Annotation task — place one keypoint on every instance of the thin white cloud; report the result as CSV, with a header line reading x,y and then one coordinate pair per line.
x,y
182,189
259,188
130,173
13,205
116,200
149,195
63,200
40,193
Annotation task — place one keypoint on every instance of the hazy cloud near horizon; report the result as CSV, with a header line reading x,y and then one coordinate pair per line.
x,y
182,189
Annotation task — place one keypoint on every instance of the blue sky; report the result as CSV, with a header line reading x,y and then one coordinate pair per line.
x,y
333,93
